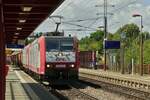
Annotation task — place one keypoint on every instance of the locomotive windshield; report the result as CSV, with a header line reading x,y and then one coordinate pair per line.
x,y
52,45
59,44
66,44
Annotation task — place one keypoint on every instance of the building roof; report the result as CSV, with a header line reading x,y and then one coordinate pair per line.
x,y
21,17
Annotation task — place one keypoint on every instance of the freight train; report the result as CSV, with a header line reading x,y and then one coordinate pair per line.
x,y
90,59
50,58
87,59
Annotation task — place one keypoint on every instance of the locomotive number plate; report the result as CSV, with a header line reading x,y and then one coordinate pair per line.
x,y
60,66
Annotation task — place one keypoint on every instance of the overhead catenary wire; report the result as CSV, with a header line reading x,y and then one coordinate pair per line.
x,y
95,19
92,20
78,30
73,24
80,20
120,8
124,6
77,25
87,19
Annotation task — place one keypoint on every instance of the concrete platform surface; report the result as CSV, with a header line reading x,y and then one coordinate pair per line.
x,y
144,78
20,86
14,89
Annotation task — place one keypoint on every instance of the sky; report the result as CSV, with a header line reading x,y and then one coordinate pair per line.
x,y
146,2
82,17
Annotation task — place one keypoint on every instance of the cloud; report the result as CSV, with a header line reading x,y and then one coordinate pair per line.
x,y
74,10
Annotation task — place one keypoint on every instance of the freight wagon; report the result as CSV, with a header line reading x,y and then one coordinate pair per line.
x,y
87,59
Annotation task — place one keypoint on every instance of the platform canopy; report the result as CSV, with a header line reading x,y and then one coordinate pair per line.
x,y
21,17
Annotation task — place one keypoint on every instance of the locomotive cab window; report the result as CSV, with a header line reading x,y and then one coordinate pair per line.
x,y
57,44
66,45
52,44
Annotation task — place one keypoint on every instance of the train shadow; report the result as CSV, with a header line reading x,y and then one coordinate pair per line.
x,y
89,83
36,91
60,87
78,84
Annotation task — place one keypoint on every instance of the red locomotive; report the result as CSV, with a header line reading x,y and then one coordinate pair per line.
x,y
52,58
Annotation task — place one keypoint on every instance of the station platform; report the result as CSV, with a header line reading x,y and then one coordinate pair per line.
x,y
117,75
20,86
14,89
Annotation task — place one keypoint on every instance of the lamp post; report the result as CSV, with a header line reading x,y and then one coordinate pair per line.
x,y
141,44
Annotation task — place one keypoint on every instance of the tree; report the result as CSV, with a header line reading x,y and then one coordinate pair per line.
x,y
146,51
97,36
131,46
131,30
93,42
83,43
110,36
146,35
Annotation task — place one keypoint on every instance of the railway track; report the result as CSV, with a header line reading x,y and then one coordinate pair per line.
x,y
67,92
72,93
132,92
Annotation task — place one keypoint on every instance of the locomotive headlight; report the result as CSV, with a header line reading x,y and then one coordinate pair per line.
x,y
72,65
60,54
47,65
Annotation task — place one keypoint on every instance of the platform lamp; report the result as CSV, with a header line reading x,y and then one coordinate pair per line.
x,y
141,43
